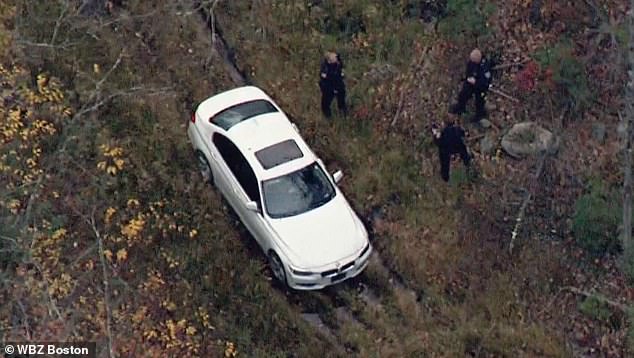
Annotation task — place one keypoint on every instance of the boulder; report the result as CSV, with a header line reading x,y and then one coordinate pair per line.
x,y
381,72
485,123
487,145
528,138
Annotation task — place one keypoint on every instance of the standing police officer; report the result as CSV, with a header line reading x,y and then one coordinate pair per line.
x,y
450,141
475,84
331,84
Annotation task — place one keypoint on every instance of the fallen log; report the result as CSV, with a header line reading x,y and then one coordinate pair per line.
x,y
527,198
508,65
507,96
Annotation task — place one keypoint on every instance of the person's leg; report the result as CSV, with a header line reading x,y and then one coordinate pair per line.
x,y
480,107
465,93
341,100
326,99
445,161
464,154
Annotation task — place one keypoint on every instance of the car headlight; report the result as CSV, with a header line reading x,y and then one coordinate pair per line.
x,y
365,250
302,273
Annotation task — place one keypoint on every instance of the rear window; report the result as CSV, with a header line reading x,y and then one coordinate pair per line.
x,y
243,111
279,153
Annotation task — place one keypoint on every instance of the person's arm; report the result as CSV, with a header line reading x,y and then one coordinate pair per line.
x,y
323,70
472,72
340,65
436,134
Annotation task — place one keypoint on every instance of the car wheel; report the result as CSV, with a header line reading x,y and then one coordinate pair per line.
x,y
277,267
203,167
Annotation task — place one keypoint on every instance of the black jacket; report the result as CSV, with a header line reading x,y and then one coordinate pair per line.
x,y
481,72
333,73
451,140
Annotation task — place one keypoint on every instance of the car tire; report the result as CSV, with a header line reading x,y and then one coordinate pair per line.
x,y
204,167
277,268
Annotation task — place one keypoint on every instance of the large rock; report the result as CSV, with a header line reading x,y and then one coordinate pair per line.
x,y
488,144
485,123
380,73
528,138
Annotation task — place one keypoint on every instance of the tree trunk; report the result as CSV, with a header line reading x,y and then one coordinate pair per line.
x,y
627,188
629,118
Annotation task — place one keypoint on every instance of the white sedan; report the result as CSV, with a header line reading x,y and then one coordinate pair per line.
x,y
279,188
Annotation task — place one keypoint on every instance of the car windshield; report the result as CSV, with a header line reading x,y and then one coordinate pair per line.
x,y
298,192
243,111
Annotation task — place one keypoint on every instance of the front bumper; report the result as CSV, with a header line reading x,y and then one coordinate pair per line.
x,y
325,278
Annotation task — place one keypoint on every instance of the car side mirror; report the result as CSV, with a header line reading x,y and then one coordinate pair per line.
x,y
252,206
336,176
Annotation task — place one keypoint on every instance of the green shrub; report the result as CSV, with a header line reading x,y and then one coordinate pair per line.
x,y
566,75
630,329
627,265
596,219
595,308
466,20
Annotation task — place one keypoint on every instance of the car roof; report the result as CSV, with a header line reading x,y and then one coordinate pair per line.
x,y
257,132
263,131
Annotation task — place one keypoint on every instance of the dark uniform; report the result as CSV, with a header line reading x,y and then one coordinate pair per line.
x,y
331,85
451,142
481,72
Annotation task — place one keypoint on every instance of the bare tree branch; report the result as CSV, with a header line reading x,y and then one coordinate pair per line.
x,y
627,187
527,198
597,296
58,23
507,96
628,255
129,92
63,45
93,226
508,65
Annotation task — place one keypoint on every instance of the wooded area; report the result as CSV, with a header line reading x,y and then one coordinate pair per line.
x,y
108,235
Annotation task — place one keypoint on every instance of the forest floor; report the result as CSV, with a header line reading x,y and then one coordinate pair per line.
x,y
141,258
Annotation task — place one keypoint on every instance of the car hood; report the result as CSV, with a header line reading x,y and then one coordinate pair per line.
x,y
324,235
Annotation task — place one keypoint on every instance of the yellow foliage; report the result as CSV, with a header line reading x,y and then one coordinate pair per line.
x,y
61,286
58,234
139,315
132,230
108,215
108,254
113,161
112,170
230,350
122,255
168,305
133,203
203,316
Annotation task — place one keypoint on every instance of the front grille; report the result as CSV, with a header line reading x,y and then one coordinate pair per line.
x,y
336,271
